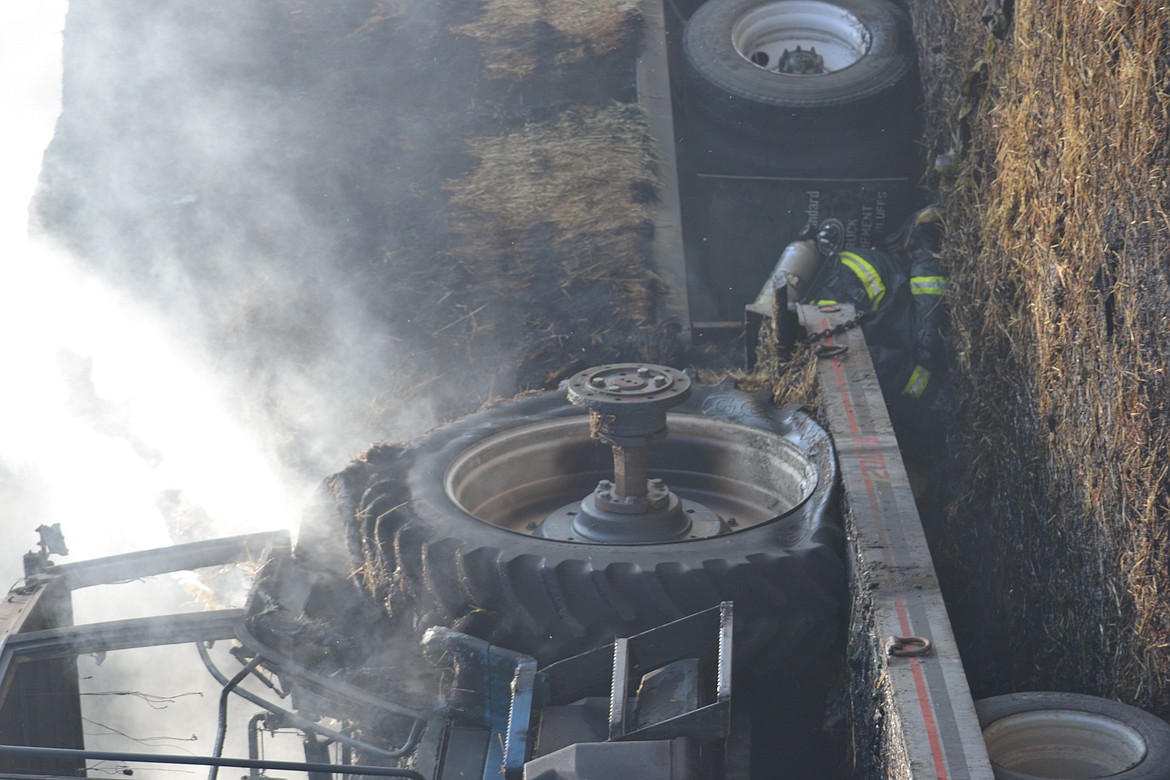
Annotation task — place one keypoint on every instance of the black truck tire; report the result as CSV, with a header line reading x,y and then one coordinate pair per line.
x,y
844,121
1059,735
551,599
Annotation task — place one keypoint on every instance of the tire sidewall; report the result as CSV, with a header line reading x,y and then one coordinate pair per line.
x,y
552,599
1156,732
710,53
435,452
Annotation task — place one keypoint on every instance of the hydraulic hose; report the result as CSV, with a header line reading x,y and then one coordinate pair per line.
x,y
296,720
245,763
221,723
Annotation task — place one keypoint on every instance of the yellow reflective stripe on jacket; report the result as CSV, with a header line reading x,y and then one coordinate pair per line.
x,y
919,379
928,285
870,279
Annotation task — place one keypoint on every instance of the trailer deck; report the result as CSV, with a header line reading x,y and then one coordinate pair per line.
x,y
914,717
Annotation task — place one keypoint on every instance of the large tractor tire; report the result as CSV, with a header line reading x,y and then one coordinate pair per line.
x,y
447,529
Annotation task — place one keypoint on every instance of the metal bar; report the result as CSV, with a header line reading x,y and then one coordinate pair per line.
x,y
520,717
123,634
620,690
117,635
723,668
653,83
630,471
179,557
929,723
243,763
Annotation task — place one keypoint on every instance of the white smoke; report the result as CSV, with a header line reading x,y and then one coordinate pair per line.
x,y
115,422
105,408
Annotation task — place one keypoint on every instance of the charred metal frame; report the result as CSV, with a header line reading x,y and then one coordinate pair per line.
x,y
499,691
243,763
36,621
39,643
56,637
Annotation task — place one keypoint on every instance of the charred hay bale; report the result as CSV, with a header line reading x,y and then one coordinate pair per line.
x,y
590,174
551,232
521,37
1060,302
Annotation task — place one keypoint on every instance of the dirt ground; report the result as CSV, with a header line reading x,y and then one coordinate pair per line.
x,y
1050,123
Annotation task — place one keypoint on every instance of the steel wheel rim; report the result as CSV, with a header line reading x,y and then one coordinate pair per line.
x,y
517,478
1064,744
763,34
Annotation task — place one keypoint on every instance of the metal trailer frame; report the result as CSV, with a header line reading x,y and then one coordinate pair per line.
x,y
39,644
653,84
911,702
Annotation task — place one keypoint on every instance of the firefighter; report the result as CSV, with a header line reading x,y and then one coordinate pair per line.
x,y
900,288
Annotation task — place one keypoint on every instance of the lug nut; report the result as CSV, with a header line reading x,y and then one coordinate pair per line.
x,y
597,381
660,381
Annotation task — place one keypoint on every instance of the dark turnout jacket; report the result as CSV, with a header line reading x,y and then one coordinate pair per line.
x,y
902,295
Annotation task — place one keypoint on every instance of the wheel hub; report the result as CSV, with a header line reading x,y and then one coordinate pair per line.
x,y
627,405
800,37
801,62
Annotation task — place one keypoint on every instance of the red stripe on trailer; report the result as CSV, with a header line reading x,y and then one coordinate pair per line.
x,y
929,695
932,734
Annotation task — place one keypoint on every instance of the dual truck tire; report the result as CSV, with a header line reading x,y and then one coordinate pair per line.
x,y
848,119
